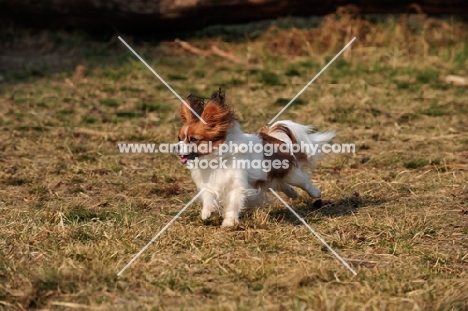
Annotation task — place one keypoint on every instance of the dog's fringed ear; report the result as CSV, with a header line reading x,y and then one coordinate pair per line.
x,y
196,103
218,114
218,98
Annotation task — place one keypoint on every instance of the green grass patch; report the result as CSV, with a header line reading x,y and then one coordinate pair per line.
x,y
235,82
403,85
109,102
15,181
39,190
427,76
462,57
385,160
284,101
308,64
108,89
293,71
129,88
435,110
407,117
114,74
199,73
375,111
343,114
269,78
90,120
415,164
129,114
81,214
176,77
154,106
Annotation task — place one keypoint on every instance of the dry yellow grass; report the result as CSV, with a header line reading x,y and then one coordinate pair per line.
x,y
74,210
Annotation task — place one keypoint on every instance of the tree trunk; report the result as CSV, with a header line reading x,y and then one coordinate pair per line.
x,y
163,16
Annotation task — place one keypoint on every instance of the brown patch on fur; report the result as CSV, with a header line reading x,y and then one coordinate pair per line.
x,y
196,103
280,172
300,156
260,184
293,159
219,118
280,128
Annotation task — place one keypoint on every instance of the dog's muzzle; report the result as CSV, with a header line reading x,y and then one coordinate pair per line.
x,y
184,151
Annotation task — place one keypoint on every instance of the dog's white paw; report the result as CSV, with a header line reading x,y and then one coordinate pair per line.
x,y
315,192
206,213
229,222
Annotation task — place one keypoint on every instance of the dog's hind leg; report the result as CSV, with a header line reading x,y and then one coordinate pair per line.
x,y
289,191
301,179
279,185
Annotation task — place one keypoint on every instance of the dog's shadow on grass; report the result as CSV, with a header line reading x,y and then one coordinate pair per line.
x,y
325,208
308,210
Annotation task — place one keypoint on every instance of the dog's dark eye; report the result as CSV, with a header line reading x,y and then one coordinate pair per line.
x,y
193,139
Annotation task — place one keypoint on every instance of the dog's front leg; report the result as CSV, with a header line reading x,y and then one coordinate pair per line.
x,y
210,204
235,201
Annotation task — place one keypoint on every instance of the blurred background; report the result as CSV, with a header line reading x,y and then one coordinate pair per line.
x,y
45,35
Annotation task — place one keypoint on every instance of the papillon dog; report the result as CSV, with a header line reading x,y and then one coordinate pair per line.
x,y
237,169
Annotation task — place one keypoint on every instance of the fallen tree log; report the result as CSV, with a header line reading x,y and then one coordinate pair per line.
x,y
150,16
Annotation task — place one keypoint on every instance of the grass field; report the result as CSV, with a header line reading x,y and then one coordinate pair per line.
x,y
74,210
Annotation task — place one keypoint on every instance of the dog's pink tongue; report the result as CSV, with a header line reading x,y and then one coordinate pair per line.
x,y
183,160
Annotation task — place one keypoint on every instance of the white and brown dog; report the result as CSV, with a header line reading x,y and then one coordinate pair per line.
x,y
239,176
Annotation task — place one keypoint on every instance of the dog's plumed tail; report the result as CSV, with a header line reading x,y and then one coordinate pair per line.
x,y
300,135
